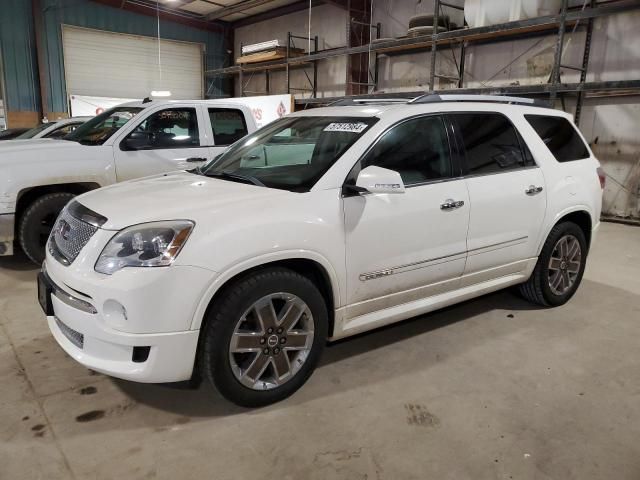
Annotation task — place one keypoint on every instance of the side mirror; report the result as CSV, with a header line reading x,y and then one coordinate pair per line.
x,y
138,141
379,180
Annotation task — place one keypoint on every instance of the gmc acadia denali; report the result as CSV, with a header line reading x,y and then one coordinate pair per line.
x,y
321,225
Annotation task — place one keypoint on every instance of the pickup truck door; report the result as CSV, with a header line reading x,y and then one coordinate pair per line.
x,y
226,125
173,138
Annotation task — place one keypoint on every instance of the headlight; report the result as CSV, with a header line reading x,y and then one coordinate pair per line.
x,y
154,244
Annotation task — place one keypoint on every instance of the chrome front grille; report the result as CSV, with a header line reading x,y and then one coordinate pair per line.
x,y
69,235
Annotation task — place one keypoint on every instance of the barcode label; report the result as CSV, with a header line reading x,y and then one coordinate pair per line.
x,y
345,127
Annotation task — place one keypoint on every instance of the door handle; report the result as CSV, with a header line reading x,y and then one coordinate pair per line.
x,y
533,190
450,204
196,159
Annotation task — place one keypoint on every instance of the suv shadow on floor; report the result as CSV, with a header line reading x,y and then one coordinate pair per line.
x,y
344,356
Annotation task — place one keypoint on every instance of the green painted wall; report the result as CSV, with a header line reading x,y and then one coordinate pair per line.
x,y
17,44
18,54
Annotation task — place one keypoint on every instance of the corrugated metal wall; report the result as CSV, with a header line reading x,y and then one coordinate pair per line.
x,y
17,42
18,50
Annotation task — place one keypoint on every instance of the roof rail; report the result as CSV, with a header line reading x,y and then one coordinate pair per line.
x,y
344,102
435,98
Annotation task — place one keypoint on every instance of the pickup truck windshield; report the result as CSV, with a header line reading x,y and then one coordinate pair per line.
x,y
289,154
97,130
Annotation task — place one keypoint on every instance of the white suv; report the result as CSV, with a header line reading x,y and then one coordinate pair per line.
x,y
321,225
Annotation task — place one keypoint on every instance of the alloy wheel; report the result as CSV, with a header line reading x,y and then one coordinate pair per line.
x,y
271,341
564,264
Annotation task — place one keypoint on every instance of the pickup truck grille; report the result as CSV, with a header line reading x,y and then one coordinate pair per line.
x,y
70,234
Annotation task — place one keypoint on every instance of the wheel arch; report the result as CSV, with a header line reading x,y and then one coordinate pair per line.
x,y
308,264
581,216
28,195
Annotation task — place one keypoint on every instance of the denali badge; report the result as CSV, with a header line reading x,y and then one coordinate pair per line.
x,y
372,276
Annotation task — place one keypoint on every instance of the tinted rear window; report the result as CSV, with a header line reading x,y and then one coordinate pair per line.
x,y
559,136
491,143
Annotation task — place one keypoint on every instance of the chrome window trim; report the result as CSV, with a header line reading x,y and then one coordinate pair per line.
x,y
448,179
512,170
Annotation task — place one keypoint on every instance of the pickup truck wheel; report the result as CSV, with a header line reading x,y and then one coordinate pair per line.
x,y
37,221
263,338
560,267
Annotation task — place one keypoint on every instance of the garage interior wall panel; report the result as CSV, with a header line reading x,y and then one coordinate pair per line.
x,y
107,64
18,55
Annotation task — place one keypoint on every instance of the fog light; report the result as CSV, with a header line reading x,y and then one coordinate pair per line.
x,y
140,354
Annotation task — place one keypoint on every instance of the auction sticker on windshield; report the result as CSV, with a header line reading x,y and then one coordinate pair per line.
x,y
345,127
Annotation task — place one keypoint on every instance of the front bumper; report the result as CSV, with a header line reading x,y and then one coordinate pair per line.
x,y
135,307
7,229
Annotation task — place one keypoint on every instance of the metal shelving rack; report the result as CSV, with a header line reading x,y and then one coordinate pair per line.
x,y
549,24
287,64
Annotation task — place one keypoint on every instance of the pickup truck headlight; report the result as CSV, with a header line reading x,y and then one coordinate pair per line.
x,y
154,244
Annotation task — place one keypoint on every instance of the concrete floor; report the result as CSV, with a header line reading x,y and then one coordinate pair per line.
x,y
492,388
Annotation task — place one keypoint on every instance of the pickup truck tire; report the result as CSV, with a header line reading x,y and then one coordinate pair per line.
x,y
560,266
242,352
37,221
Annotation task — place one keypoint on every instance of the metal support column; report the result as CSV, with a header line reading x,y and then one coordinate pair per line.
x,y
287,62
315,68
557,59
376,62
461,67
267,81
432,70
585,65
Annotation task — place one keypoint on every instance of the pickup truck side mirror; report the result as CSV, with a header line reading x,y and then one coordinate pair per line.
x,y
379,180
138,141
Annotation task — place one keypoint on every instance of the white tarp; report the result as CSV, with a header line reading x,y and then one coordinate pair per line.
x,y
86,106
266,108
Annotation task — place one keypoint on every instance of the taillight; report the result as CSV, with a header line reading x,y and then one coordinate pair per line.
x,y
601,176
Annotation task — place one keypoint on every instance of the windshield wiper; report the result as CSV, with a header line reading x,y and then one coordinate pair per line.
x,y
236,176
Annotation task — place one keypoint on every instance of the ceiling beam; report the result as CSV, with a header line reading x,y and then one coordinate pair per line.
x,y
237,8
143,7
276,12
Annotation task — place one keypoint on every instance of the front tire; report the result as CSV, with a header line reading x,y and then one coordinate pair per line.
x,y
560,267
37,221
263,337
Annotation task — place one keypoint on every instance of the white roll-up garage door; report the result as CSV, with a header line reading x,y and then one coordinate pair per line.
x,y
108,64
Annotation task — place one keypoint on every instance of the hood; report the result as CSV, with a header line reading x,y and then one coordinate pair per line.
x,y
28,150
173,196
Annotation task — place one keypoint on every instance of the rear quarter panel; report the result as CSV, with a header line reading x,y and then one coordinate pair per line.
x,y
570,186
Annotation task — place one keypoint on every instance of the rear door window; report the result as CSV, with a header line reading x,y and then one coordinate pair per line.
x,y
491,143
559,136
228,125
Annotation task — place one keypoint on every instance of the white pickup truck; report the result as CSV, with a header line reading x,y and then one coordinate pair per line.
x,y
39,177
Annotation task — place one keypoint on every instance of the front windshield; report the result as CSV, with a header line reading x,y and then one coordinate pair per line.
x,y
291,153
97,130
33,132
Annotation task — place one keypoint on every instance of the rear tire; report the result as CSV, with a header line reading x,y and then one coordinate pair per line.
x,y
37,221
560,267
263,338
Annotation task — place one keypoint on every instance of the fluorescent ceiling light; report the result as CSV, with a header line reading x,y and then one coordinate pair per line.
x,y
160,93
